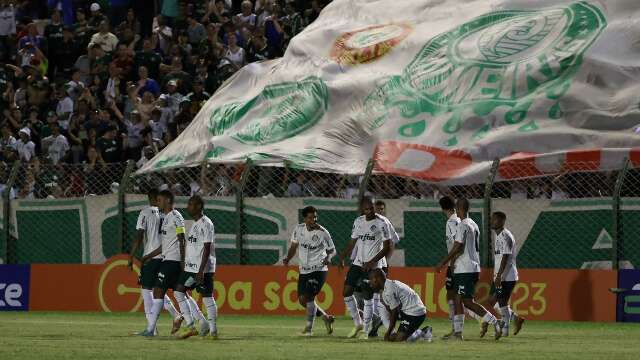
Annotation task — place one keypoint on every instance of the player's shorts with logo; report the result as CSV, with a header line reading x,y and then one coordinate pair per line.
x,y
448,282
358,279
311,283
168,274
189,281
149,273
503,292
465,284
409,324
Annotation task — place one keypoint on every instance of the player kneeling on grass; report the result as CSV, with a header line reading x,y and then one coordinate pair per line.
x,y
505,273
315,250
403,304
198,271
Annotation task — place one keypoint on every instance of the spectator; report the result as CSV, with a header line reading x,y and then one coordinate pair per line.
x,y
148,58
107,146
196,32
53,34
33,38
107,40
173,98
258,49
198,97
297,188
145,84
163,33
24,146
56,145
293,22
97,180
67,54
81,29
7,30
96,17
7,144
248,19
65,106
234,53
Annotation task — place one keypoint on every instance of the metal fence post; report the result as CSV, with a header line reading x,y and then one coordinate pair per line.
x,y
616,226
8,247
240,220
485,252
122,206
365,181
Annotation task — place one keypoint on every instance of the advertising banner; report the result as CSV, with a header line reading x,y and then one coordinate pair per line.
x,y
14,287
629,297
561,295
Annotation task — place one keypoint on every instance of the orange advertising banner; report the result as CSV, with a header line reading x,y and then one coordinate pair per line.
x,y
561,295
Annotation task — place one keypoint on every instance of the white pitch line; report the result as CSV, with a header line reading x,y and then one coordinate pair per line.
x,y
115,322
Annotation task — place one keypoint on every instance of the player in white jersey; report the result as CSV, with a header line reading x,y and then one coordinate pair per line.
x,y
403,304
198,271
448,207
373,235
465,257
173,243
505,273
148,233
315,249
380,314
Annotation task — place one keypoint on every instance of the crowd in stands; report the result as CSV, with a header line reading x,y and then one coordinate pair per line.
x,y
88,85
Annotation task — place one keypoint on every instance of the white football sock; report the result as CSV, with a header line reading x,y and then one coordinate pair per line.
x,y
458,323
168,305
350,302
183,305
489,318
212,313
472,314
368,315
376,301
452,310
415,336
506,315
195,309
384,315
311,313
147,299
156,308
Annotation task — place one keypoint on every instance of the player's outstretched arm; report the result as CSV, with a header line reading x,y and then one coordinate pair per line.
x,y
292,252
134,247
393,318
347,252
152,254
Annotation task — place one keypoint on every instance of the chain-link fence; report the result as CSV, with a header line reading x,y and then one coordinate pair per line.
x,y
567,217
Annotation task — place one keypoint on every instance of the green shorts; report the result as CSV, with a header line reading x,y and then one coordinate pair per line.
x,y
149,273
503,292
464,284
311,283
448,282
168,274
358,279
188,280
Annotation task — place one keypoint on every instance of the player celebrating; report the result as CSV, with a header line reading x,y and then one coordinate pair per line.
x,y
199,269
465,258
373,236
403,304
505,273
448,208
173,243
148,232
315,250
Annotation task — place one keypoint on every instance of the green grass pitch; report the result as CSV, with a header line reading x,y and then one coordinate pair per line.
x,y
41,336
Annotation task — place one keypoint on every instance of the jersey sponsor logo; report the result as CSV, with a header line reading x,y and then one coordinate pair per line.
x,y
310,247
192,239
367,237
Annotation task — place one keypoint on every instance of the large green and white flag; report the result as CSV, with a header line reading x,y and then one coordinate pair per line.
x,y
435,90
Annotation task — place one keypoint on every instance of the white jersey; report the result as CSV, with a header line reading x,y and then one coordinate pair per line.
x,y
395,239
450,230
370,237
313,247
468,234
201,234
149,222
398,294
505,244
172,225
